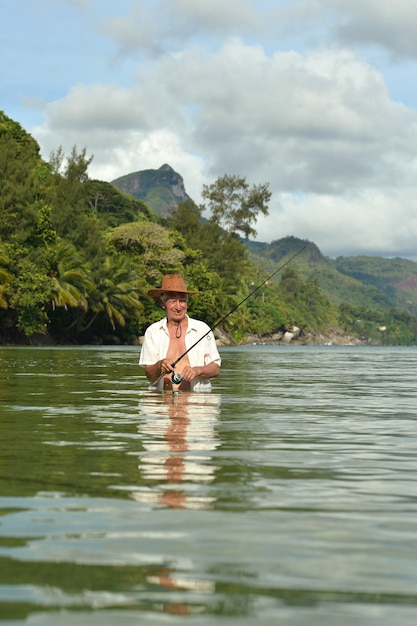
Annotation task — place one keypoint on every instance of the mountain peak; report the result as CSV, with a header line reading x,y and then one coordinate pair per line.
x,y
161,189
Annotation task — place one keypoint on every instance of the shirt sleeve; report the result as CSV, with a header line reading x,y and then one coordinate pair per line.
x,y
205,351
211,354
154,346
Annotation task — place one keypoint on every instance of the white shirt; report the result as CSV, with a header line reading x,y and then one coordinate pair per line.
x,y
156,342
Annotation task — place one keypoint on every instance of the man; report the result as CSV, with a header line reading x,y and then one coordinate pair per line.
x,y
168,339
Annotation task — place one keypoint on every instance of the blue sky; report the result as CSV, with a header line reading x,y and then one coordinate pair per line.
x,y
315,97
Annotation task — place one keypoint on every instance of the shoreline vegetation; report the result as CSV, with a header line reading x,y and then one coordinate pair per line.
x,y
78,257
334,337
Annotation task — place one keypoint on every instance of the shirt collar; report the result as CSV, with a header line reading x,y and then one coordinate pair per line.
x,y
164,323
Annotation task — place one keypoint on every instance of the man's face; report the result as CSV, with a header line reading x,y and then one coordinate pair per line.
x,y
176,306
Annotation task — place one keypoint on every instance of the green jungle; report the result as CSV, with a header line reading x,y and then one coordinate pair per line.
x,y
77,257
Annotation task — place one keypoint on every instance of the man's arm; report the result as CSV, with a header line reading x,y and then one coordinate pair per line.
x,y
154,371
211,370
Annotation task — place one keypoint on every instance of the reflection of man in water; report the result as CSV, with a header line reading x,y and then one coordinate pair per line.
x,y
178,430
174,465
168,339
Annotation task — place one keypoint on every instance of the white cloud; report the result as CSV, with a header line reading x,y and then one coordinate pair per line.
x,y
370,222
388,24
294,93
315,122
170,25
121,129
319,127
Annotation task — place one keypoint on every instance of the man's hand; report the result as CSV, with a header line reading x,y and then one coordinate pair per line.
x,y
166,366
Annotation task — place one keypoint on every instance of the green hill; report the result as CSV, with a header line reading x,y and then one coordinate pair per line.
x,y
395,278
160,189
369,282
77,257
375,283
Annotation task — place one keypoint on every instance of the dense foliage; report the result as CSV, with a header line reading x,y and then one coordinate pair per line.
x,y
77,257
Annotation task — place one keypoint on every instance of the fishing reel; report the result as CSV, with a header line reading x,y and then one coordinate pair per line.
x,y
176,378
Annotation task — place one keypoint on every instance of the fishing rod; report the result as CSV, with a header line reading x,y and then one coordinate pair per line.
x,y
176,377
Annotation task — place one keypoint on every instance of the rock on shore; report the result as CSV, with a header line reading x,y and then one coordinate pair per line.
x,y
333,337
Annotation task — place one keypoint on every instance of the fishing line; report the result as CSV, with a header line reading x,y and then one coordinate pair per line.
x,y
176,377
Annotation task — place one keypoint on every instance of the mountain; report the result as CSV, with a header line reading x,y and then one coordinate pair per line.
x,y
160,189
396,278
59,269
374,283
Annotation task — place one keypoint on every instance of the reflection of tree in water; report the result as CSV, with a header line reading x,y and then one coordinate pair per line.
x,y
178,432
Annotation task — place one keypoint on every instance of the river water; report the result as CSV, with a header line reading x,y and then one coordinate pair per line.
x,y
286,496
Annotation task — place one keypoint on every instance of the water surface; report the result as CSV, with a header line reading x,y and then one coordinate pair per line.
x,y
288,495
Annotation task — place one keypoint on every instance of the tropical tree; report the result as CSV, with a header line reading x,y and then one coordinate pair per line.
x,y
153,247
71,216
27,294
234,205
186,219
113,207
22,178
115,298
210,303
71,280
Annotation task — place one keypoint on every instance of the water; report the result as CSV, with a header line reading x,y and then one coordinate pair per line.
x,y
286,496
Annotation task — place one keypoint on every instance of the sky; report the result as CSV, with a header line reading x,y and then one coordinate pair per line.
x,y
317,98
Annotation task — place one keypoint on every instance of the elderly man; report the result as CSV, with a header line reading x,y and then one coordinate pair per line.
x,y
167,340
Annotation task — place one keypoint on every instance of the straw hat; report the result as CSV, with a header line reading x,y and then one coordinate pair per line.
x,y
170,283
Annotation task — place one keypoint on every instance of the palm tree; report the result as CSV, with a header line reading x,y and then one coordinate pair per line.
x,y
70,278
116,292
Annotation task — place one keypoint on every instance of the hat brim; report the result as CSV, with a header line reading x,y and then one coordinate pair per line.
x,y
157,293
